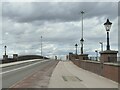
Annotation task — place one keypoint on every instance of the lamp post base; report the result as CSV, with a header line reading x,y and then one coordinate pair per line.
x,y
5,57
108,56
83,57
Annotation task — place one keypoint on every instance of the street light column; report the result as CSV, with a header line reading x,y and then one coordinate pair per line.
x,y
41,45
76,48
101,45
96,55
5,50
81,45
82,40
108,45
82,22
82,48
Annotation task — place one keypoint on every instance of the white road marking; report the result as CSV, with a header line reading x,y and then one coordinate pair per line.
x,y
18,62
22,67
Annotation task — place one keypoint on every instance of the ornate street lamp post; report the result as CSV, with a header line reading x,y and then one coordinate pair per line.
x,y
107,25
82,56
105,55
76,48
82,40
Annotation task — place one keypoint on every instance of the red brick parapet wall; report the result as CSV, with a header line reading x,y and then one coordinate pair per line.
x,y
111,71
108,70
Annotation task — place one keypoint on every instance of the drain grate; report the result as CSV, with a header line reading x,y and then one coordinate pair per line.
x,y
71,78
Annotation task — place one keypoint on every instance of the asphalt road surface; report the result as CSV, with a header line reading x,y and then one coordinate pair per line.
x,y
14,74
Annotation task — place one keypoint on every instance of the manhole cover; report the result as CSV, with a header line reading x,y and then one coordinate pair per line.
x,y
70,78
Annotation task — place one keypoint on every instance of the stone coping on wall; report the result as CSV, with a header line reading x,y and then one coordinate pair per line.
x,y
109,52
91,61
112,64
107,63
76,59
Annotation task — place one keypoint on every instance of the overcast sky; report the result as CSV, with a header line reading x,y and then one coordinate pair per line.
x,y
59,23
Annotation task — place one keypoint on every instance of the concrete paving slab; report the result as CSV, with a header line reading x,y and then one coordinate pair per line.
x,y
66,75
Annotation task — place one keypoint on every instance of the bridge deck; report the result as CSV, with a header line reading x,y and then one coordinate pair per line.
x,y
66,75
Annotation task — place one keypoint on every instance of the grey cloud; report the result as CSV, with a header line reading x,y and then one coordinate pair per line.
x,y
62,11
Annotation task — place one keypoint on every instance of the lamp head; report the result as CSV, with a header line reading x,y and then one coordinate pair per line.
x,y
96,51
5,46
76,45
107,25
81,40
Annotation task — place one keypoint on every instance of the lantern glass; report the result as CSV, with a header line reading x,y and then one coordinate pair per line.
x,y
82,41
107,27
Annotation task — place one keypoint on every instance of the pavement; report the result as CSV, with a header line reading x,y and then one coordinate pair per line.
x,y
68,75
